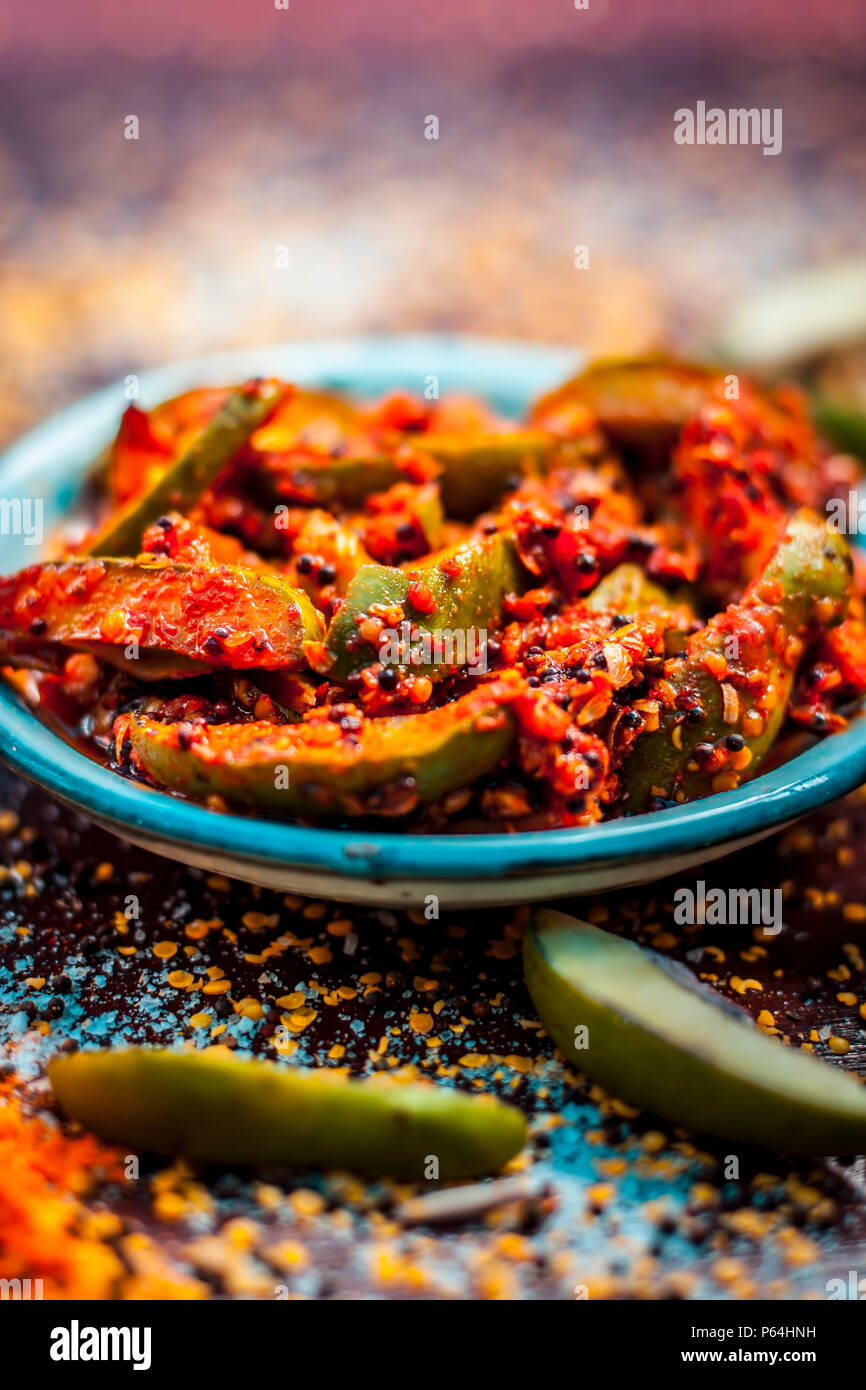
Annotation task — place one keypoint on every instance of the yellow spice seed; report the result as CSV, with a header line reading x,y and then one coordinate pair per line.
x,y
753,724
180,979
165,949
288,1254
740,986
200,1020
103,872
847,998
838,1045
217,987
249,1008
599,1194
653,1141
306,1202
341,926
299,1019
854,912
598,914
664,941
725,781
169,1206
291,1001
314,911
256,920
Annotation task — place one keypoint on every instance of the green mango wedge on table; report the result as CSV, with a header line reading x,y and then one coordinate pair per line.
x,y
320,768
715,721
154,619
211,1106
659,1039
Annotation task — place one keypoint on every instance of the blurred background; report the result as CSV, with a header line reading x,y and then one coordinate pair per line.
x,y
304,128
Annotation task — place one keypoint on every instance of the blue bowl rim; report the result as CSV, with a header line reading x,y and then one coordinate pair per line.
x,y
826,771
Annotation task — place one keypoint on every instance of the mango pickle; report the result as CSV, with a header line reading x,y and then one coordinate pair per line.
x,y
153,619
653,1036
723,702
214,1107
383,766
384,577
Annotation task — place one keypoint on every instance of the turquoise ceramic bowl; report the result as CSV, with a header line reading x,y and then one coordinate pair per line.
x,y
387,868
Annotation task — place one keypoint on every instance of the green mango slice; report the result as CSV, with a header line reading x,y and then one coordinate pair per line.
x,y
670,1047
802,591
154,619
478,470
468,584
839,401
184,482
641,403
626,589
315,768
210,1106
475,471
